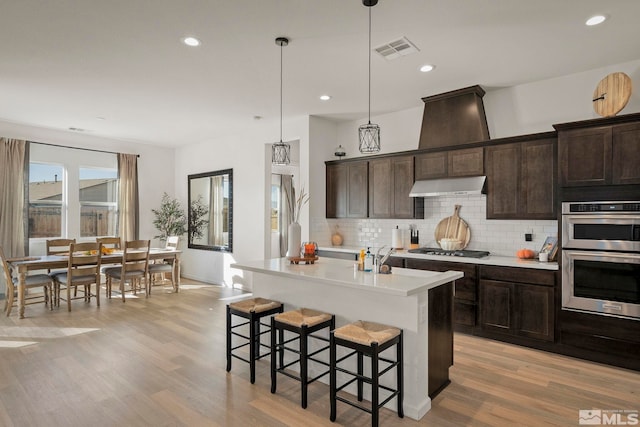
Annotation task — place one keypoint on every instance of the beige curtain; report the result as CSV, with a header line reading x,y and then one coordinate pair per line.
x,y
216,217
128,196
12,170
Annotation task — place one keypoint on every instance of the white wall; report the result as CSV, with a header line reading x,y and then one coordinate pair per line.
x,y
155,164
248,155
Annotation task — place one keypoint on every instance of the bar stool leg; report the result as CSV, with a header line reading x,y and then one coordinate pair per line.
x,y
374,386
303,366
400,374
252,347
281,352
228,338
332,376
360,373
273,355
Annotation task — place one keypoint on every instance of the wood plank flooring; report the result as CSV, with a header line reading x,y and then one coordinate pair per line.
x,y
161,362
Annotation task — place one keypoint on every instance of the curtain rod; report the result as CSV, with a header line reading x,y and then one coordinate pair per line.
x,y
78,148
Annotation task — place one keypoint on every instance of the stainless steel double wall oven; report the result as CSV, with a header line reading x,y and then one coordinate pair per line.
x,y
601,258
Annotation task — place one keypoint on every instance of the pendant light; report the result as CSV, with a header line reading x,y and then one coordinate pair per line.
x,y
280,151
369,134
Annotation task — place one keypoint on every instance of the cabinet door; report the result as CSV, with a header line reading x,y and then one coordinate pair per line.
x,y
431,165
390,182
496,306
534,311
626,154
380,188
402,206
468,162
336,202
503,178
584,156
538,179
357,185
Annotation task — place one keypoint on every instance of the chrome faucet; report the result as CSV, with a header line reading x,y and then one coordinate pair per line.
x,y
380,261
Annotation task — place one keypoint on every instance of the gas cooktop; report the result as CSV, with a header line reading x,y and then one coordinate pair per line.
x,y
460,253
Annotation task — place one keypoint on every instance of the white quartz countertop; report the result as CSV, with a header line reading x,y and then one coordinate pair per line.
x,y
504,261
338,272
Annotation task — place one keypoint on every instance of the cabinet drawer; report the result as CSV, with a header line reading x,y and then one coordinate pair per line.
x,y
518,275
465,287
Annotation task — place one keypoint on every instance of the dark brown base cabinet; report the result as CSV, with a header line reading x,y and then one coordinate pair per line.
x,y
510,306
465,295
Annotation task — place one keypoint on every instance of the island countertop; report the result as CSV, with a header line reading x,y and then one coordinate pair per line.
x,y
401,282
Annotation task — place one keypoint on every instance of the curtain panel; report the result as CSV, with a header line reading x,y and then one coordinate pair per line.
x,y
12,182
128,220
286,217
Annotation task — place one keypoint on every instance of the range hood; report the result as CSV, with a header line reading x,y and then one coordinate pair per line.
x,y
448,186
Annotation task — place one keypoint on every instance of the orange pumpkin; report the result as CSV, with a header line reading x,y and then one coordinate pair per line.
x,y
525,254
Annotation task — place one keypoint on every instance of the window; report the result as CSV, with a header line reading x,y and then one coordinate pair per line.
x,y
46,188
72,194
98,202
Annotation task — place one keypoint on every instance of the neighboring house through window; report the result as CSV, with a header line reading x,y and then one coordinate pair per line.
x,y
73,193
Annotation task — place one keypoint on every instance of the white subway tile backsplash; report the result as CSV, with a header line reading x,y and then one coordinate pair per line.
x,y
500,237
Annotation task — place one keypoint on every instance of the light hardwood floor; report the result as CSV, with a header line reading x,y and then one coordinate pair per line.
x,y
161,362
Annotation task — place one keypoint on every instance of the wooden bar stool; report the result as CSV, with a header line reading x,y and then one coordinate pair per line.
x,y
253,310
366,339
303,322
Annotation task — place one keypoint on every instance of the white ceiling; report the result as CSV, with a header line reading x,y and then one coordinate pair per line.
x,y
118,69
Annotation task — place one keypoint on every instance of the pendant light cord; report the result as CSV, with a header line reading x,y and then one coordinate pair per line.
x,y
281,45
369,64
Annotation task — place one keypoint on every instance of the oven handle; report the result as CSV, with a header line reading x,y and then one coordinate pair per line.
x,y
629,257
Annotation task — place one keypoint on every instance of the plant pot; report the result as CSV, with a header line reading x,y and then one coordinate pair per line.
x,y
293,240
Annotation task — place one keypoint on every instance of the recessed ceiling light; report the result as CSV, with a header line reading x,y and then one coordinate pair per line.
x,y
595,20
191,41
325,97
426,68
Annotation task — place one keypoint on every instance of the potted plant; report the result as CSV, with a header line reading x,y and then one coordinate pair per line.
x,y
198,219
170,219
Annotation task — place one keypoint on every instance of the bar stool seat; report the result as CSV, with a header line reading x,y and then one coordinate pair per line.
x,y
366,339
303,322
253,310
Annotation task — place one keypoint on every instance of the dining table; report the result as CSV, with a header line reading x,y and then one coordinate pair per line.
x,y
51,262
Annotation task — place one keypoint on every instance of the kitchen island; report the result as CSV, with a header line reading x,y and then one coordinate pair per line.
x,y
419,302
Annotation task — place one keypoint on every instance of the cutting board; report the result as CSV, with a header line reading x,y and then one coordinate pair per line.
x,y
612,94
454,227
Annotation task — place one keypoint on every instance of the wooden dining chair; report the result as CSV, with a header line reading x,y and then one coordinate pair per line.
x,y
110,242
134,269
58,247
83,270
33,281
162,267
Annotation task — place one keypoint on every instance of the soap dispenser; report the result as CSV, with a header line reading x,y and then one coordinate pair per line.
x,y
368,260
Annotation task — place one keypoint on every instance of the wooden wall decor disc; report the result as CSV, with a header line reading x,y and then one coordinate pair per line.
x,y
612,94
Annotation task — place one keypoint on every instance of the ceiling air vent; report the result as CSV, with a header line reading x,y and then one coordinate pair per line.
x,y
396,49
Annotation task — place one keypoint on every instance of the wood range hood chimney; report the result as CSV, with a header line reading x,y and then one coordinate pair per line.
x,y
453,118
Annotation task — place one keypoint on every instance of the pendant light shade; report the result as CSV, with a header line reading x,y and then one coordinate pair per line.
x,y
281,151
369,134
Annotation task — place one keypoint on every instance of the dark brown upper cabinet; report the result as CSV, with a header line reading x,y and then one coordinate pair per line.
x,y
521,178
390,181
453,163
599,152
347,190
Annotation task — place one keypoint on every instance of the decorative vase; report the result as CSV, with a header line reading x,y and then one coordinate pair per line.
x,y
293,240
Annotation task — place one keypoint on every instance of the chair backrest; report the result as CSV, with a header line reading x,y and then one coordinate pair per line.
x,y
7,271
84,261
59,246
110,242
172,242
136,256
